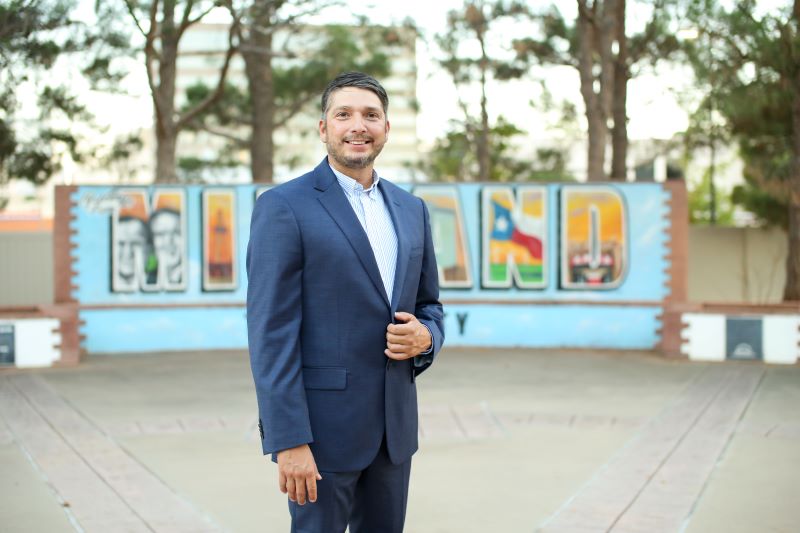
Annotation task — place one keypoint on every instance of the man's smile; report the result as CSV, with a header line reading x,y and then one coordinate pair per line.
x,y
358,142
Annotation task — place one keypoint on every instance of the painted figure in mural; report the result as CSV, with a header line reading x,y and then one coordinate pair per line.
x,y
343,315
165,229
131,241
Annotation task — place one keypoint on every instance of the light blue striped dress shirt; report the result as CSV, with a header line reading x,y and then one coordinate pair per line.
x,y
374,216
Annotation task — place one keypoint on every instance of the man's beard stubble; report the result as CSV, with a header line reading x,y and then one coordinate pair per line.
x,y
357,162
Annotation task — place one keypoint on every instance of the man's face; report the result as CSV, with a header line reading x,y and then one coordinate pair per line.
x,y
131,238
167,240
355,128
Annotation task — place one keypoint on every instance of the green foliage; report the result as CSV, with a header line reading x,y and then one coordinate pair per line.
x,y
555,40
343,48
771,210
700,203
230,111
453,158
478,20
197,170
34,36
471,63
299,78
746,62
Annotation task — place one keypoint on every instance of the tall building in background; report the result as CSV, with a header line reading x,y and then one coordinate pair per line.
x,y
297,145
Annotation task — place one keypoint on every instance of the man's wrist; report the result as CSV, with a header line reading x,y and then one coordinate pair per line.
x,y
429,350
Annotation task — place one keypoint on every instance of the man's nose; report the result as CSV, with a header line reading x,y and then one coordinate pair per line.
x,y
358,125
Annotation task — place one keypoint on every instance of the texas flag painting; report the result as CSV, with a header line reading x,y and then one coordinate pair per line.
x,y
514,235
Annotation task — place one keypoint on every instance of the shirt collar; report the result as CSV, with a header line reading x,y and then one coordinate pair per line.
x,y
351,186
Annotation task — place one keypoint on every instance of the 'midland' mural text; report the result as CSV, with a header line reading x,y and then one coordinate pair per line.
x,y
519,229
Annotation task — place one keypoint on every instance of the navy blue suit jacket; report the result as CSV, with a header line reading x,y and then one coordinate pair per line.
x,y
317,314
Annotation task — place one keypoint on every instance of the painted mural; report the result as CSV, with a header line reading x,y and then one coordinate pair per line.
x,y
593,236
449,238
148,247
219,240
514,237
518,264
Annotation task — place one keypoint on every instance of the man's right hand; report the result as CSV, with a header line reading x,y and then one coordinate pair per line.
x,y
298,474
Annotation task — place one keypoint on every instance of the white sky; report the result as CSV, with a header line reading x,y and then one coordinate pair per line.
x,y
652,106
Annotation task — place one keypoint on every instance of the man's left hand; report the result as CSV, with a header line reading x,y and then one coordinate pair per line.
x,y
406,339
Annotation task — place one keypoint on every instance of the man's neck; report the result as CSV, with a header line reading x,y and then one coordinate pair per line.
x,y
362,175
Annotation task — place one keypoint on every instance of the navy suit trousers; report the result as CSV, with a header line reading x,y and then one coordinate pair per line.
x,y
372,500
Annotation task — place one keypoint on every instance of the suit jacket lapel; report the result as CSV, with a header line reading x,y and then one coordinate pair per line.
x,y
403,246
335,203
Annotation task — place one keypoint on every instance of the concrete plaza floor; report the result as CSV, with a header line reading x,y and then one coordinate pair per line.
x,y
511,441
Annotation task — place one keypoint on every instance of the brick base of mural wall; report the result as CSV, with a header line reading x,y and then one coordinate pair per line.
x,y
533,294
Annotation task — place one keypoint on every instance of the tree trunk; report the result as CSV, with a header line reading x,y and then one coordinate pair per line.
x,y
484,163
258,67
791,291
166,130
605,36
619,134
596,30
165,155
597,143
483,138
161,48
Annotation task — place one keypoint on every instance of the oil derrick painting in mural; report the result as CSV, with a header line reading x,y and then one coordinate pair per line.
x,y
514,240
148,244
219,240
449,241
593,229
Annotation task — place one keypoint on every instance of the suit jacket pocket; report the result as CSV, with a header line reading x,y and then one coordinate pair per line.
x,y
325,378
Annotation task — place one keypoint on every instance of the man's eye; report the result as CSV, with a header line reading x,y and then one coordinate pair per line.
x,y
341,114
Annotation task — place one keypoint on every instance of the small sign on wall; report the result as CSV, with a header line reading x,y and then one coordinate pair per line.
x,y
6,344
744,338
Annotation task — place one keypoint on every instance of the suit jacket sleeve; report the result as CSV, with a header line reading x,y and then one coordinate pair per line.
x,y
428,308
274,317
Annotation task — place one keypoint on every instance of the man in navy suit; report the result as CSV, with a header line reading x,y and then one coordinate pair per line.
x,y
343,313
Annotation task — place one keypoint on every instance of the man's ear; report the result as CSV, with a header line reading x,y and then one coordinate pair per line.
x,y
387,126
323,130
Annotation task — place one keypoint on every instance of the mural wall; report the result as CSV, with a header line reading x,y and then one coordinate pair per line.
x,y
548,265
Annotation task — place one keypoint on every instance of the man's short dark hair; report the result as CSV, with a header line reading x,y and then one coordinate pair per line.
x,y
355,79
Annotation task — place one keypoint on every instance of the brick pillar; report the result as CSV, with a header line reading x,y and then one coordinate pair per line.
x,y
65,307
675,302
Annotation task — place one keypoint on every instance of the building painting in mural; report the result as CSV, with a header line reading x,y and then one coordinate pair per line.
x,y
148,246
219,240
149,249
